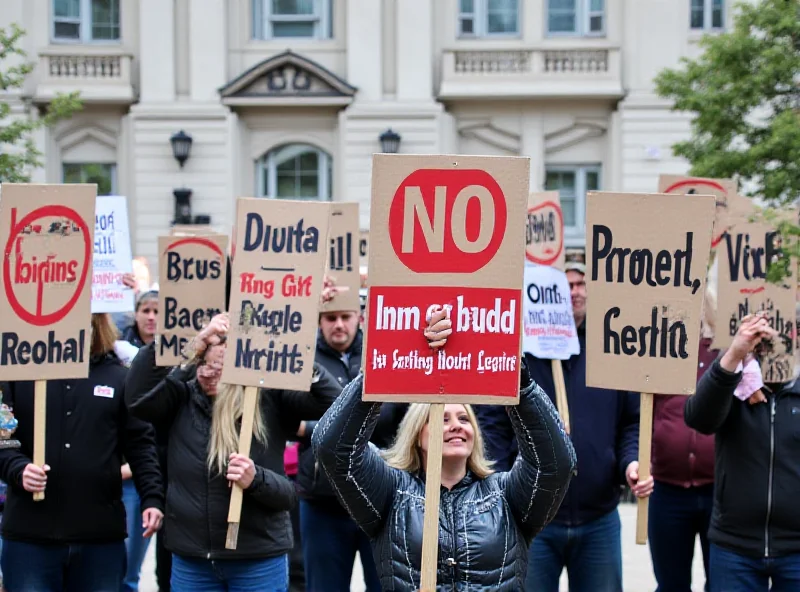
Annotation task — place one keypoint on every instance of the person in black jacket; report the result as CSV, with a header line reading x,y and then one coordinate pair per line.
x,y
73,539
202,417
755,523
585,535
486,518
330,538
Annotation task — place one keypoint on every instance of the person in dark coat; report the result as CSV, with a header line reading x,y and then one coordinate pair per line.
x,y
486,518
201,418
755,526
330,538
73,539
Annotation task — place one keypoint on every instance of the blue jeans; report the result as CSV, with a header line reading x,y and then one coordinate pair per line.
x,y
29,567
330,542
732,572
229,575
677,515
135,545
591,552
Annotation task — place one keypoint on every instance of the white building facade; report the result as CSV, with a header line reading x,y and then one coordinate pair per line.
x,y
289,98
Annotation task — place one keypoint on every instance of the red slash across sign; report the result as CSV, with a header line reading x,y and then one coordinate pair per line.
x,y
38,318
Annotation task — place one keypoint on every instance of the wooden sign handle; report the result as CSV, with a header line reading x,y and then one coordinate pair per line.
x,y
433,482
245,438
561,392
39,426
645,441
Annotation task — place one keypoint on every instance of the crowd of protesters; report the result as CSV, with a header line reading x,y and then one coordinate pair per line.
x,y
155,451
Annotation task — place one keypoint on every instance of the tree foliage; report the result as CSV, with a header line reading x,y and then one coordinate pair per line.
x,y
18,152
744,95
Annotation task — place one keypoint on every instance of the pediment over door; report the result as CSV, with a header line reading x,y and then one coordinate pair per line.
x,y
287,79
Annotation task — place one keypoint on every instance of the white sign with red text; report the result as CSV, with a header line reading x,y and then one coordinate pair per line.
x,y
112,256
549,327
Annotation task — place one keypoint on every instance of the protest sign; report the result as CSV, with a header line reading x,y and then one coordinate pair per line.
x,y
343,254
47,232
544,230
731,208
647,257
191,230
646,273
446,232
192,286
281,248
112,256
47,235
745,254
549,327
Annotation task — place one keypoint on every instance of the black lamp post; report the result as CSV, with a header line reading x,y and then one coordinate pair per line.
x,y
390,141
181,146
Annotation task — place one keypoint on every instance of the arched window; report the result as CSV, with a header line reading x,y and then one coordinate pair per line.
x,y
295,171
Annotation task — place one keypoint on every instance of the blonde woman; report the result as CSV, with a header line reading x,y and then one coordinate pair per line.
x,y
486,518
202,418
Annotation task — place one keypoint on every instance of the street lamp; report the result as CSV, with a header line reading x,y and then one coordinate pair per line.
x,y
181,146
390,141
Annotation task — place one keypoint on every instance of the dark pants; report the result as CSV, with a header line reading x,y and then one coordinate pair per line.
x,y
163,563
330,543
678,515
29,567
591,552
732,572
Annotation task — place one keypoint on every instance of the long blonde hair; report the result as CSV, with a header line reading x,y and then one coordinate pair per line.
x,y
104,334
405,453
226,417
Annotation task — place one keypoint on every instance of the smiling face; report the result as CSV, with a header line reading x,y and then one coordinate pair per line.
x,y
459,434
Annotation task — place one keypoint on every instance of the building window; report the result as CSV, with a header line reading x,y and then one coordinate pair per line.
x,y
572,183
104,175
296,171
276,19
86,21
706,15
576,17
488,18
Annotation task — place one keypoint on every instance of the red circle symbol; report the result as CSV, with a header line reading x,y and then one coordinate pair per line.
x,y
447,221
544,233
38,318
704,187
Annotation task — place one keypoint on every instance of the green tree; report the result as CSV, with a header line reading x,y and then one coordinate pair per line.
x,y
744,95
18,153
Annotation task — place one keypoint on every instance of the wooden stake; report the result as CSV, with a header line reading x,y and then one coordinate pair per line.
x,y
645,440
561,393
245,438
433,483
39,426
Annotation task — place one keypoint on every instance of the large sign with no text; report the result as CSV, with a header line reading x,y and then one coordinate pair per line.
x,y
446,231
646,271
281,248
47,236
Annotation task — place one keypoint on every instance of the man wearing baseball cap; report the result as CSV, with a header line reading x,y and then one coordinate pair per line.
x,y
584,537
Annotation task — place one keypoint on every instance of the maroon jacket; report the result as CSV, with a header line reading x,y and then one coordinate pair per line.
x,y
681,456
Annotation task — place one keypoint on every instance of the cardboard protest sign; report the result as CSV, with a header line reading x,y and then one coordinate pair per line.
x,y
112,256
47,234
363,248
549,327
446,232
646,270
731,208
191,230
191,281
343,238
276,283
544,230
744,257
